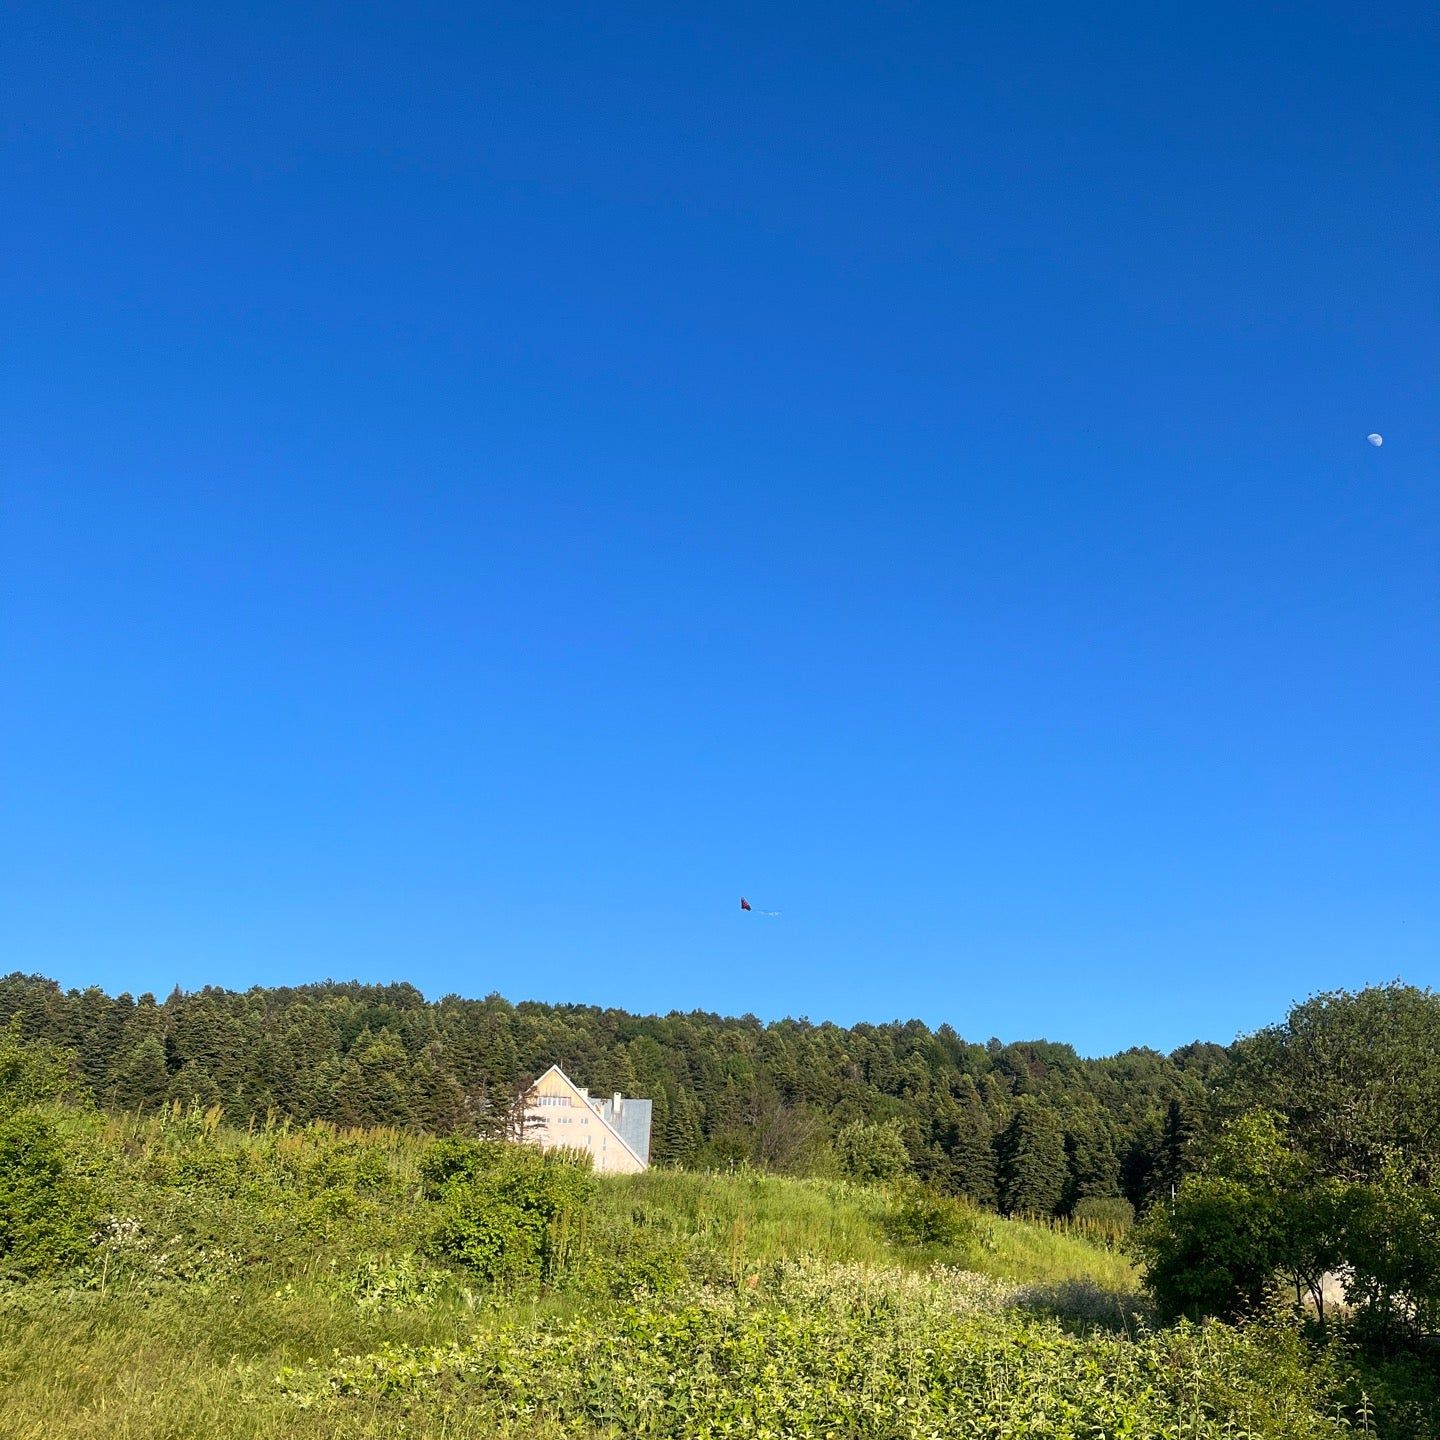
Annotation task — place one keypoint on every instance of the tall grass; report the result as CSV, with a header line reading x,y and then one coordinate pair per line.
x,y
251,1246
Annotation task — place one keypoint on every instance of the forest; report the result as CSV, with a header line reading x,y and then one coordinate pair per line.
x,y
1026,1128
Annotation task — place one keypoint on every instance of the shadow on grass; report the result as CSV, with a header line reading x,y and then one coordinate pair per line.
x,y
1086,1305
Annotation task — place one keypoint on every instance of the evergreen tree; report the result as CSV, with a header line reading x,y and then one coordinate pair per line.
x,y
1032,1162
143,1077
721,1086
1094,1167
1172,1154
193,1085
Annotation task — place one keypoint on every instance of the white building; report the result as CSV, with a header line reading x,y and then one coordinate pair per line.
x,y
615,1133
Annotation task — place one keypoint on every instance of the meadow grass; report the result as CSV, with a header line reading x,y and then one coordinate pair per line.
x,y
270,1284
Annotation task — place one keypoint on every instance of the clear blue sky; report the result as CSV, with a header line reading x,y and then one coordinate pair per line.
x,y
485,486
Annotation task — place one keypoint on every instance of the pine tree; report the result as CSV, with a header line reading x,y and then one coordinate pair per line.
x,y
1171,1160
143,1077
193,1085
437,1101
1032,1162
1094,1167
971,1162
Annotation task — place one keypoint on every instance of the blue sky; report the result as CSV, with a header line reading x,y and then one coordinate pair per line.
x,y
484,487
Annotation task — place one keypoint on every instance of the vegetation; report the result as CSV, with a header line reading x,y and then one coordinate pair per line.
x,y
1031,1128
168,1273
318,1282
1323,1178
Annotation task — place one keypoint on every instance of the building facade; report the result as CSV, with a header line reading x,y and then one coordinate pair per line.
x,y
614,1132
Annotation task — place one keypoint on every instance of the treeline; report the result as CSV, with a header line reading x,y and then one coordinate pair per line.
x,y
1026,1128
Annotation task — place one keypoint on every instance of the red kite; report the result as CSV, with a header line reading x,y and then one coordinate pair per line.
x,y
744,903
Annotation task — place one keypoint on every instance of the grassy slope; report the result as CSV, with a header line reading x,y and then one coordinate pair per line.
x,y
197,1353
759,1218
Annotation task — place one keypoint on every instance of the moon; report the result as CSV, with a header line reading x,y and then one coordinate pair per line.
x,y
1376,440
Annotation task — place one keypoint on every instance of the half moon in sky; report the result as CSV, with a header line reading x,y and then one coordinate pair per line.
x,y
1376,440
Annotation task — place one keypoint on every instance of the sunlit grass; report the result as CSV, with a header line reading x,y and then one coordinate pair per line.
x,y
199,1356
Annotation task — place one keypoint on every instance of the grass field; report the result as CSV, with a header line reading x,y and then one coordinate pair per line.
x,y
278,1284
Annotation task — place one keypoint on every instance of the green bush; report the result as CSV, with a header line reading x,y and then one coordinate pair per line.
x,y
47,1210
923,1218
457,1159
875,1356
33,1072
871,1152
507,1213
1105,1215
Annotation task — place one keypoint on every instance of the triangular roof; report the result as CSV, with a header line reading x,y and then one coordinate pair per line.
x,y
584,1098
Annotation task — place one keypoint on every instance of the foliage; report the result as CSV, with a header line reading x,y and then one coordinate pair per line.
x,y
871,1152
1390,1239
829,1355
33,1072
399,1283
47,1210
922,1218
518,1215
753,1301
726,1091
1330,1174
1032,1162
1258,1217
1356,1079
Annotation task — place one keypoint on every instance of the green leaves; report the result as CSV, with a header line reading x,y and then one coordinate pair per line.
x,y
506,1212
821,1351
47,1210
1357,1079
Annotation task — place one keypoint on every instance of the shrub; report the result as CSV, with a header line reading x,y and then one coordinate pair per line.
x,y
508,1213
33,1072
923,1218
457,1159
868,1356
47,1211
871,1152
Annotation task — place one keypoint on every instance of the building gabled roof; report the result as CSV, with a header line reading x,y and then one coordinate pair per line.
x,y
584,1098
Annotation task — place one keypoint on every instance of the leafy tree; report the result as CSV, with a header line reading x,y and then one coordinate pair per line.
x,y
1259,1218
1392,1254
34,1072
1356,1079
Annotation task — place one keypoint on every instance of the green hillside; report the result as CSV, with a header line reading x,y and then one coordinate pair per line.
x,y
1027,1128
167,1272
186,1278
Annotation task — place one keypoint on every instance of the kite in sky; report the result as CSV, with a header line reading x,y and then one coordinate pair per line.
x,y
746,905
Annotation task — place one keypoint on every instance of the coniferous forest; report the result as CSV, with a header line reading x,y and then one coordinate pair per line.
x,y
1028,1128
